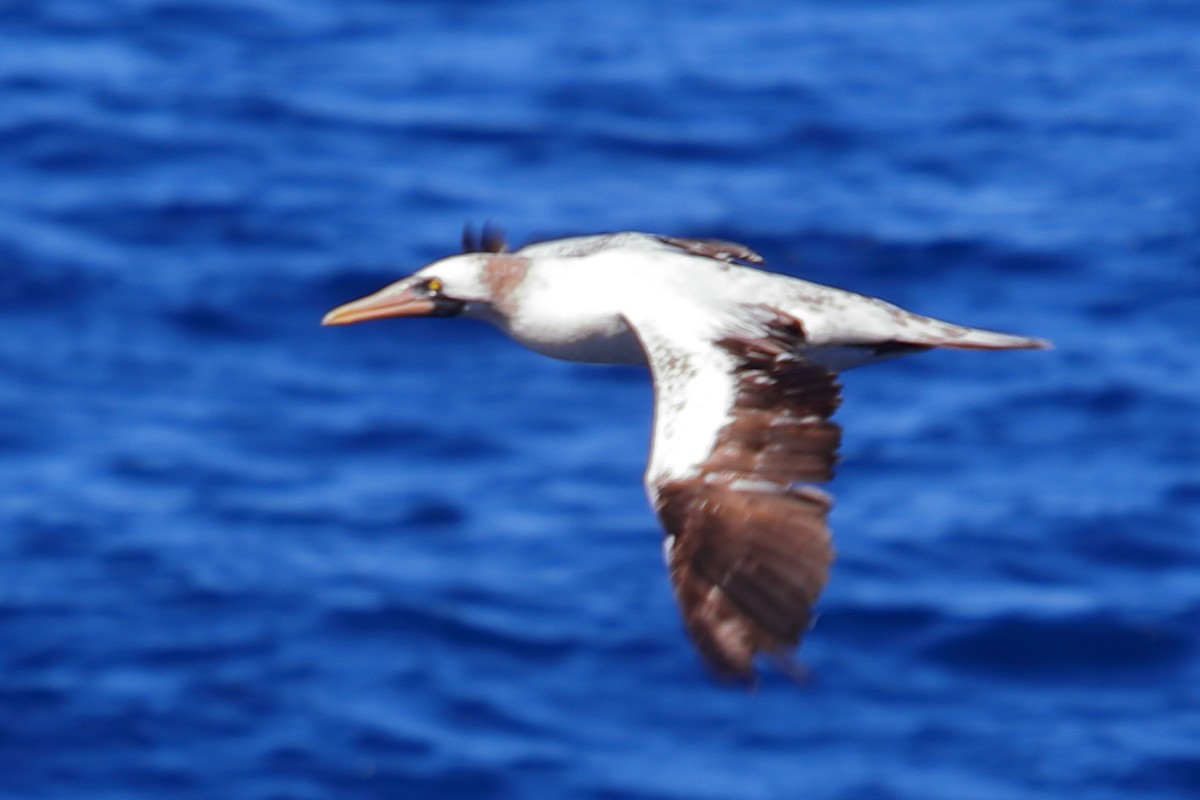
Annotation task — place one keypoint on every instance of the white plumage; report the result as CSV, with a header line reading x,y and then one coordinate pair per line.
x,y
744,365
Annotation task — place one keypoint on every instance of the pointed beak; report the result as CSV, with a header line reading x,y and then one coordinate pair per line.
x,y
397,300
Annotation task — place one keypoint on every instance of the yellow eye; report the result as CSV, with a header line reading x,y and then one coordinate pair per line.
x,y
433,285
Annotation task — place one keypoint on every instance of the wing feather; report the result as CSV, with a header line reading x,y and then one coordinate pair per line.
x,y
748,550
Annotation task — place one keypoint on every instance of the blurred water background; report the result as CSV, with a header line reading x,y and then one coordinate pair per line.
x,y
242,556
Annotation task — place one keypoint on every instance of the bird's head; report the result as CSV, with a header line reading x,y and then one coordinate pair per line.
x,y
446,288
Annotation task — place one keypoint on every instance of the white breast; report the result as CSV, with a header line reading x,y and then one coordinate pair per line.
x,y
572,312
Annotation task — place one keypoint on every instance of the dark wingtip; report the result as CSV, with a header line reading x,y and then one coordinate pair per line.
x,y
721,250
489,239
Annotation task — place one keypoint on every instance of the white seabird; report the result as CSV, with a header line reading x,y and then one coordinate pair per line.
x,y
745,368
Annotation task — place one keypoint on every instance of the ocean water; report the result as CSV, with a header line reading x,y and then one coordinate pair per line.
x,y
242,556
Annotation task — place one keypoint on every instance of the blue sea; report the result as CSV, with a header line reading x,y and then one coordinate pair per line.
x,y
243,556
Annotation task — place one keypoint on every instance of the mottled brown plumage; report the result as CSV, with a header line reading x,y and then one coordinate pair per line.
x,y
747,567
749,553
503,274
729,252
780,429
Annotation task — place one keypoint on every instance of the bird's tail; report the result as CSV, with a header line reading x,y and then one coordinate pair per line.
x,y
944,334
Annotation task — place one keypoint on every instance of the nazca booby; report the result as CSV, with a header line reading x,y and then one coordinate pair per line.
x,y
745,366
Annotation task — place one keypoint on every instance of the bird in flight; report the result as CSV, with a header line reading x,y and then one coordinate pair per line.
x,y
745,366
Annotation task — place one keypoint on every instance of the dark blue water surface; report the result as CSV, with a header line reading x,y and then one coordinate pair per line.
x,y
242,556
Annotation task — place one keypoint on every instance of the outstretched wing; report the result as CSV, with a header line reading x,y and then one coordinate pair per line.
x,y
741,426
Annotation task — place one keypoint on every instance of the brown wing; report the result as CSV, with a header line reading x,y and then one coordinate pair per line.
x,y
714,248
748,550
